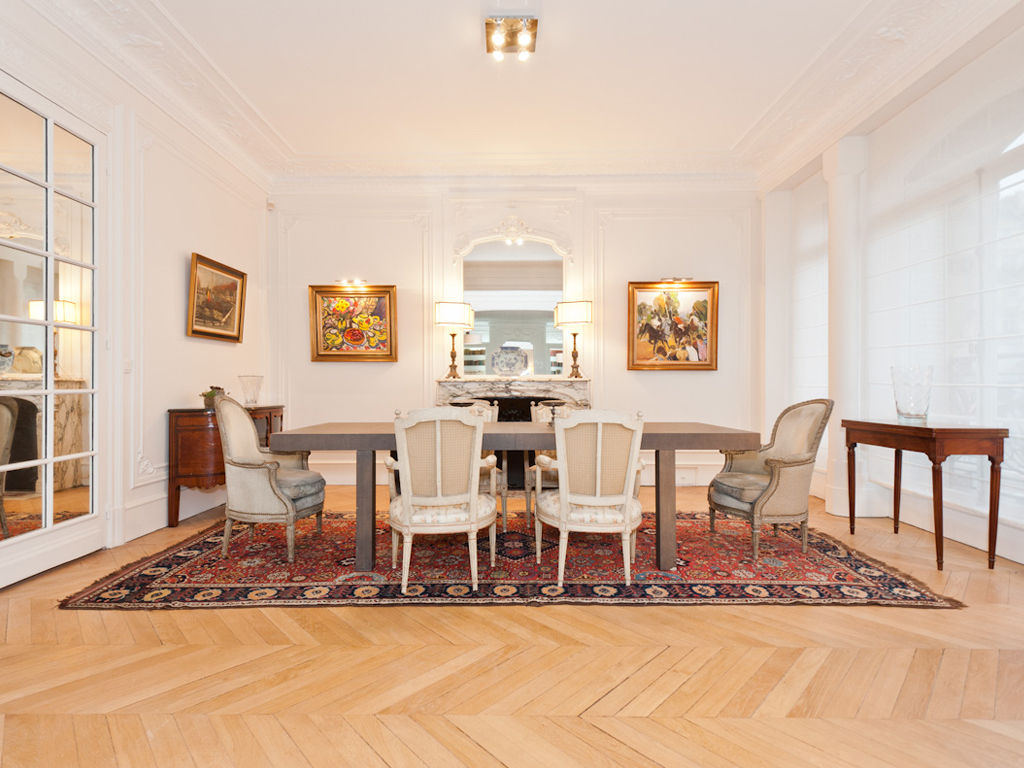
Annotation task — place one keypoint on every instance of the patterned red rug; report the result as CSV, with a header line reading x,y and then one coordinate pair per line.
x,y
711,569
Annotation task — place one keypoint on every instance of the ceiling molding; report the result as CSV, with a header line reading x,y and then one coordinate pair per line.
x,y
889,46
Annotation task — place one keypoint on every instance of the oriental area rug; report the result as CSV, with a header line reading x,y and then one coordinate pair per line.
x,y
711,569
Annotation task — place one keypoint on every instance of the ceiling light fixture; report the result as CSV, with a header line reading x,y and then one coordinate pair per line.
x,y
511,34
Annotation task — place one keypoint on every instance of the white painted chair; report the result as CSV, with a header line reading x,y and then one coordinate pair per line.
x,y
264,486
489,412
773,483
439,464
8,420
544,411
597,465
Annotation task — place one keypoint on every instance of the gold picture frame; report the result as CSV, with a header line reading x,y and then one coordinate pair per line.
x,y
673,326
216,300
353,323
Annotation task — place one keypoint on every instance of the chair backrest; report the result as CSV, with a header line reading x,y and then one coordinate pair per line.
x,y
546,410
238,435
488,410
799,428
8,420
439,456
598,453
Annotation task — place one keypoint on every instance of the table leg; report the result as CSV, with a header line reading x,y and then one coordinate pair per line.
x,y
937,509
993,509
366,515
173,503
665,509
898,474
851,483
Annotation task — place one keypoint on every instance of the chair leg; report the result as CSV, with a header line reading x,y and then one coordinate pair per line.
x,y
3,519
406,559
537,530
252,532
290,535
563,545
504,510
320,521
626,547
803,536
472,558
632,546
711,517
755,538
775,530
394,548
228,522
493,536
527,486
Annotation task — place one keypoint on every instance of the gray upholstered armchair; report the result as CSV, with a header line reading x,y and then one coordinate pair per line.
x,y
8,420
264,486
772,484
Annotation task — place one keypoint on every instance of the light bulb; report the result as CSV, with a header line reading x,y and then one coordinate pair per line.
x,y
498,38
519,241
498,56
508,241
524,37
524,55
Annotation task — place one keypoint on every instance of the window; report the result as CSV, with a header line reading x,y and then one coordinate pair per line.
x,y
47,387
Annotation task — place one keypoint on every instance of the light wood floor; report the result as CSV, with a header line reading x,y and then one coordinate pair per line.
x,y
521,686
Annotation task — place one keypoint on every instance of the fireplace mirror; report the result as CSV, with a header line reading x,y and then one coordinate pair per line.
x,y
513,290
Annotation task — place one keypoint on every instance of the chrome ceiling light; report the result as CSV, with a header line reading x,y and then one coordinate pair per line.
x,y
510,35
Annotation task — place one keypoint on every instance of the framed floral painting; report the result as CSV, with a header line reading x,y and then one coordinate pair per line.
x,y
216,300
352,322
673,326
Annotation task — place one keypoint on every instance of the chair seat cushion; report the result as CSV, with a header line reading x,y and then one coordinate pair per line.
x,y
742,486
549,503
297,483
454,514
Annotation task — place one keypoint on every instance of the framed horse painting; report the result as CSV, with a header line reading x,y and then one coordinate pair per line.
x,y
673,326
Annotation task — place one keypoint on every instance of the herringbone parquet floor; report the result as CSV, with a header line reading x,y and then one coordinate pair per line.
x,y
520,686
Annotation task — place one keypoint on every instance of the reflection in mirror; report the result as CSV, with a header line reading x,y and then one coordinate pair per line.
x,y
72,163
513,290
22,276
22,211
71,424
22,347
72,229
71,489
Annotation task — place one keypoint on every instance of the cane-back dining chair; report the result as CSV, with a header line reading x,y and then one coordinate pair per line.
x,y
545,412
439,464
598,456
264,486
489,411
772,484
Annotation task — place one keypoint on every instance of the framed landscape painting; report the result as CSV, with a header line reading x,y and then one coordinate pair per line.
x,y
673,326
216,300
352,322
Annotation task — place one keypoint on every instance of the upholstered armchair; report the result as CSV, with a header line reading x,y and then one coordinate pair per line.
x,y
772,484
8,420
545,412
598,456
439,464
492,479
264,486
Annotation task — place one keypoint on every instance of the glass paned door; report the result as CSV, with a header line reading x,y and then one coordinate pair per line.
x,y
47,326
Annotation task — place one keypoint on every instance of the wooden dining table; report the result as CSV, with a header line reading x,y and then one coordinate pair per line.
x,y
367,437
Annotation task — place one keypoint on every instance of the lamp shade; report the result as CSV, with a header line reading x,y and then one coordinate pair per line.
x,y
63,311
453,314
573,313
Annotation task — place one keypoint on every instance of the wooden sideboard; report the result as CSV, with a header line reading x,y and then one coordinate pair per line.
x,y
195,456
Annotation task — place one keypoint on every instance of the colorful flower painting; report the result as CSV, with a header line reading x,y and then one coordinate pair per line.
x,y
352,322
673,325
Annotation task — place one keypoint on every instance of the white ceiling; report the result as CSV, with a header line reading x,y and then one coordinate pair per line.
x,y
404,87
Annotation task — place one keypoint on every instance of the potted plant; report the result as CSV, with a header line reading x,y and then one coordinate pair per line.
x,y
209,394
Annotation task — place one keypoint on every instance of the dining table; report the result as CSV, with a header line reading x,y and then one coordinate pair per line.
x,y
368,437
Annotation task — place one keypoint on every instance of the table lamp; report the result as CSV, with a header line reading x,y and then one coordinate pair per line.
x,y
456,316
573,314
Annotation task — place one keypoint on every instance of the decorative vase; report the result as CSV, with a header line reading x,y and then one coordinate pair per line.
x,y
251,389
209,395
912,388
6,357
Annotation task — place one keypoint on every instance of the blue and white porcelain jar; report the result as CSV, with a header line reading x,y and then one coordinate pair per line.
x,y
6,357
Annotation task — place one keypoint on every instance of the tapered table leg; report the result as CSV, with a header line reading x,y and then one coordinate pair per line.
x,y
851,483
366,515
665,508
993,509
897,477
937,510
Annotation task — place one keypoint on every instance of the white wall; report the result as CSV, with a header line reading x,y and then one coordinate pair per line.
x,y
168,190
387,234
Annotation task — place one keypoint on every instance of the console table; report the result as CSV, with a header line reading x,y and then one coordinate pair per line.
x,y
937,442
195,457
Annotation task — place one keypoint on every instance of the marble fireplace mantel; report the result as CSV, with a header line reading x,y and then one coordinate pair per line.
x,y
534,387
